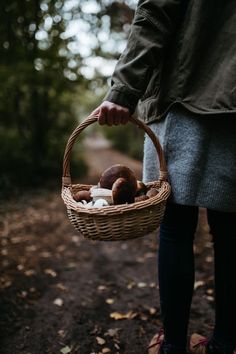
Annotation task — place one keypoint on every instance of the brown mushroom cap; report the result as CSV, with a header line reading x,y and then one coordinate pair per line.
x,y
122,191
141,198
152,192
141,188
82,195
111,174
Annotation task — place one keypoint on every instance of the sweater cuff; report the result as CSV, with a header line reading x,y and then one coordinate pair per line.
x,y
123,96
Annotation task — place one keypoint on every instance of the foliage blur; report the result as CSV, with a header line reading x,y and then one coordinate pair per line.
x,y
52,59
128,139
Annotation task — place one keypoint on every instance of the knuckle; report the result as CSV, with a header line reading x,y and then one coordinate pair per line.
x,y
103,109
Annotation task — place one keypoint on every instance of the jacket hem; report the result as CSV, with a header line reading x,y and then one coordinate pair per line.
x,y
190,108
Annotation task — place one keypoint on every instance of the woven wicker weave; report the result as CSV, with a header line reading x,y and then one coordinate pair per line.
x,y
115,222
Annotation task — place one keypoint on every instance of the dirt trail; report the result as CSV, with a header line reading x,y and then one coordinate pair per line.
x,y
62,294
101,155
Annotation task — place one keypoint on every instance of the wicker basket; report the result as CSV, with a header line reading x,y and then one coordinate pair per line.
x,y
115,222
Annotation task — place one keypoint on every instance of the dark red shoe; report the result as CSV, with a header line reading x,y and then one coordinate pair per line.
x,y
156,343
198,344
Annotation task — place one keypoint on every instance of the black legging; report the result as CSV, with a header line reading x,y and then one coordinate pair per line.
x,y
176,272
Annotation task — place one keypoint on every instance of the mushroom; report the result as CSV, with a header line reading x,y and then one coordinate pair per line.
x,y
141,198
141,188
111,174
82,195
100,203
152,192
122,191
102,193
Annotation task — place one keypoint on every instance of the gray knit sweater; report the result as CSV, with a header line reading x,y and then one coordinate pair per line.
x,y
200,152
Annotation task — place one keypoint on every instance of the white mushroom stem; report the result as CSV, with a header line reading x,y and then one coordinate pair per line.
x,y
102,193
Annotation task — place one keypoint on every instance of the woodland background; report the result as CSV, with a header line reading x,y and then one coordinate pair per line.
x,y
56,59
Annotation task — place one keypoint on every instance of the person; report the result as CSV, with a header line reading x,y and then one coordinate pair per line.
x,y
177,73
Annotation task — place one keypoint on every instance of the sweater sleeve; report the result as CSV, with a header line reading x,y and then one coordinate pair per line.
x,y
153,24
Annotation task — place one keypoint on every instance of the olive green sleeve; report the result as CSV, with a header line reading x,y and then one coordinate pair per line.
x,y
153,24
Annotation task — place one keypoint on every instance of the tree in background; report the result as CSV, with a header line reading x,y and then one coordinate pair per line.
x,y
54,56
34,92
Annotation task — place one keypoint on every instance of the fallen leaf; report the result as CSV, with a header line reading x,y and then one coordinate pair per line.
x,y
210,298
150,255
71,265
110,301
112,332
142,285
61,248
101,287
143,317
106,350
152,310
32,290
75,239
61,333
58,302
65,350
96,329
23,294
5,282
50,272
16,239
131,285
100,340
29,272
31,248
20,267
45,254
4,252
116,346
61,287
152,285
198,283
121,316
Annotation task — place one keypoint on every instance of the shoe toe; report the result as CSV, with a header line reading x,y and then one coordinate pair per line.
x,y
155,343
195,344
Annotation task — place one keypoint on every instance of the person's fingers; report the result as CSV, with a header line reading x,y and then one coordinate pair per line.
x,y
117,117
125,117
121,116
102,115
112,114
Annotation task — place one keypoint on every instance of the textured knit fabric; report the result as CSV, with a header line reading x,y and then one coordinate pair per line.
x,y
201,158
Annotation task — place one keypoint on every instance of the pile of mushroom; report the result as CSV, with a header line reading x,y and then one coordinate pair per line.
x,y
117,185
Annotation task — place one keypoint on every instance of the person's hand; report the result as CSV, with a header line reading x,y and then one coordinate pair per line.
x,y
112,114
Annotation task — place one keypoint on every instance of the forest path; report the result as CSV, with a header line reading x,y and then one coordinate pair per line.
x,y
60,293
100,155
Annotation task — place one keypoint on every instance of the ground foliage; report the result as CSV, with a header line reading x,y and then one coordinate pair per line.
x,y
60,293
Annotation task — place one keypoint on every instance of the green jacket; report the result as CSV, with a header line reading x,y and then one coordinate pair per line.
x,y
178,51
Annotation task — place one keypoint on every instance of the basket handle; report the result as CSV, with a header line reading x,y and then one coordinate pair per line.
x,y
66,178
